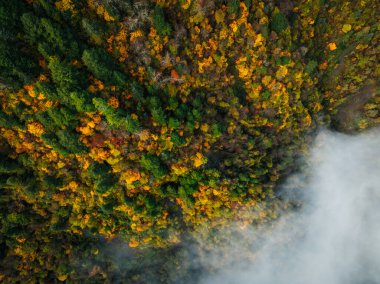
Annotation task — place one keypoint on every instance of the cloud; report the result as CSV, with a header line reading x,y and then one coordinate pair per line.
x,y
333,239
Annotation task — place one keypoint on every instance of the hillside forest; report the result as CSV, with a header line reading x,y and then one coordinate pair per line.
x,y
143,122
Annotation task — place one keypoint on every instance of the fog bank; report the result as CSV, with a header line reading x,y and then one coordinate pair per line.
x,y
333,239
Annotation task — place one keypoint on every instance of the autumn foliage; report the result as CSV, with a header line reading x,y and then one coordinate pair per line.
x,y
142,120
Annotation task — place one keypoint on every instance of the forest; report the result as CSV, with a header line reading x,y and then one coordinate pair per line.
x,y
139,123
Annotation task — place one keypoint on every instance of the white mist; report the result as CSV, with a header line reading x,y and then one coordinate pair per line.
x,y
335,239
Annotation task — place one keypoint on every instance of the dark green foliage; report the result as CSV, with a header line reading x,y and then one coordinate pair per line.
x,y
93,28
116,118
20,182
16,68
66,76
10,12
156,110
181,111
217,130
150,202
71,142
97,170
60,38
177,139
153,164
310,67
113,117
51,140
189,182
167,190
248,3
158,115
278,22
190,125
103,66
62,117
8,121
196,114
130,124
17,218
51,182
154,101
46,120
82,101
137,91
106,184
266,94
8,166
234,7
102,106
182,193
173,103
47,89
32,26
108,206
50,37
174,123
163,27
25,161
46,50
64,142
21,110
59,226
53,33
48,6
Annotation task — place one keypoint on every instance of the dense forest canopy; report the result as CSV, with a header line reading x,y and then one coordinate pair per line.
x,y
141,121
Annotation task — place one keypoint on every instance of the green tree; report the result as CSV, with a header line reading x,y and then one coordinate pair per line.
x,y
153,164
174,123
81,101
66,76
278,21
106,183
16,68
116,118
162,26
103,66
8,121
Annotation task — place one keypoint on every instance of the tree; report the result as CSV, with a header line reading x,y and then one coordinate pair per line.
x,y
70,141
82,102
63,117
158,115
66,76
8,121
16,68
64,142
103,66
8,166
278,21
32,27
153,164
94,29
47,89
163,28
106,184
10,12
116,118
174,123
177,139
97,170
50,37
